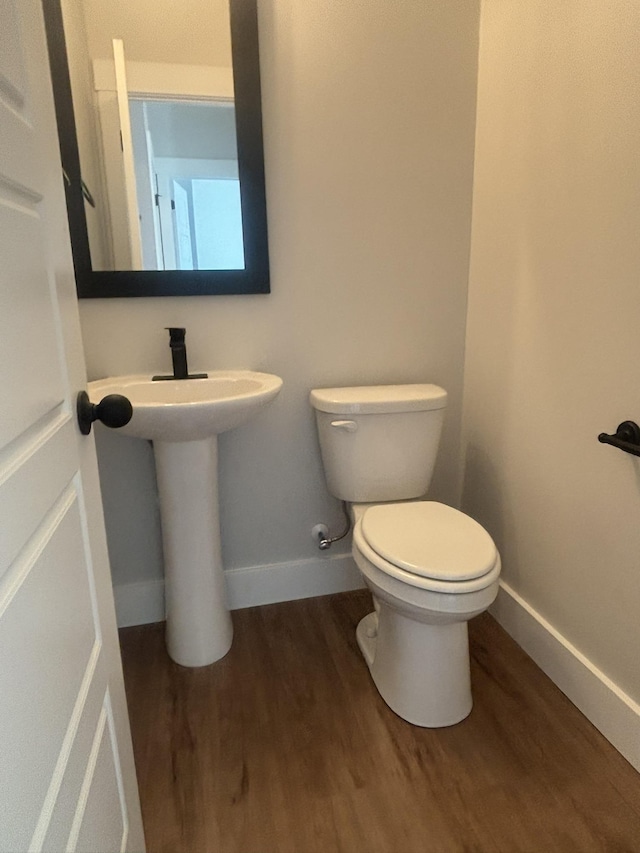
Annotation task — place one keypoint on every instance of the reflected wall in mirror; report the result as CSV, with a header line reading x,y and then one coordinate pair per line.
x,y
159,115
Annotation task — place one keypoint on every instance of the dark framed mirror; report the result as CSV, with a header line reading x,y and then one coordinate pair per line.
x,y
168,196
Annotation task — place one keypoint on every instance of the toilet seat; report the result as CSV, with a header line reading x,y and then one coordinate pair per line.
x,y
429,545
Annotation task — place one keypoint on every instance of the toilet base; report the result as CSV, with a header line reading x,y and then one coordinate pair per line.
x,y
421,670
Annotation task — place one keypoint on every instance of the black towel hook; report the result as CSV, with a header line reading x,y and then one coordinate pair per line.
x,y
626,437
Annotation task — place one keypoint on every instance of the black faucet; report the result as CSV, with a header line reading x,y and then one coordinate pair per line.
x,y
178,352
179,356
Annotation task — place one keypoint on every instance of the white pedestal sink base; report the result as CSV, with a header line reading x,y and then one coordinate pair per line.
x,y
199,629
183,418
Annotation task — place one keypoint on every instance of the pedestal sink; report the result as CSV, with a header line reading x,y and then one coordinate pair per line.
x,y
183,419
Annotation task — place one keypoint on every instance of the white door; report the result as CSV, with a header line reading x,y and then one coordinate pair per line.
x,y
119,167
128,162
182,227
67,779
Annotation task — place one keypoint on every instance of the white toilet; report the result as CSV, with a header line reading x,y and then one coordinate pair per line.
x,y
429,567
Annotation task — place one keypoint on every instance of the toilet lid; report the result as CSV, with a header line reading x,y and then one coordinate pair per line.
x,y
429,539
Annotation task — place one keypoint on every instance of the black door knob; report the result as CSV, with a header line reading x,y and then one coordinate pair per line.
x,y
114,411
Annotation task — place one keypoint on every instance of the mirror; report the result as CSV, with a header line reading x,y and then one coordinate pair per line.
x,y
159,117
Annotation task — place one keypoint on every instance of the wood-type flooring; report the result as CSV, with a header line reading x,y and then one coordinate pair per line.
x,y
285,746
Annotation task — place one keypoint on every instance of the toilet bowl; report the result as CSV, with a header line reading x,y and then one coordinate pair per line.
x,y
415,642
429,567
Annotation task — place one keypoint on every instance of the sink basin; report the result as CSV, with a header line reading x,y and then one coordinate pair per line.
x,y
183,418
189,409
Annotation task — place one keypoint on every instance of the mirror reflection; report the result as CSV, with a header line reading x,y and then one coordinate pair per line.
x,y
153,100
187,186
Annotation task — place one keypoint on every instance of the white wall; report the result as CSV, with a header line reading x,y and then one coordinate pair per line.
x,y
204,131
554,307
193,33
369,127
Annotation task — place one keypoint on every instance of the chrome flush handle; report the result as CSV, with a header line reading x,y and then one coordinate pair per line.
x,y
347,426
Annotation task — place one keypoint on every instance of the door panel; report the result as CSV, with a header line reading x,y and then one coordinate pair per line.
x,y
31,372
35,471
63,803
45,658
102,807
12,65
66,781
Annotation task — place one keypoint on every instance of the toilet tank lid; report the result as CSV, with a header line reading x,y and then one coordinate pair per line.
x,y
375,399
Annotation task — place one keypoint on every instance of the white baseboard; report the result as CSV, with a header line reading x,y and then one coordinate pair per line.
x,y
610,710
143,602
248,587
139,603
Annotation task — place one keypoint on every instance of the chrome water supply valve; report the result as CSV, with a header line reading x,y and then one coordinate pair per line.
x,y
321,532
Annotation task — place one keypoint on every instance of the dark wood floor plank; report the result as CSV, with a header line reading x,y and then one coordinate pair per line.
x,y
285,746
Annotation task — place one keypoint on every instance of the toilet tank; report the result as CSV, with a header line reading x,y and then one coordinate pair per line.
x,y
379,442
